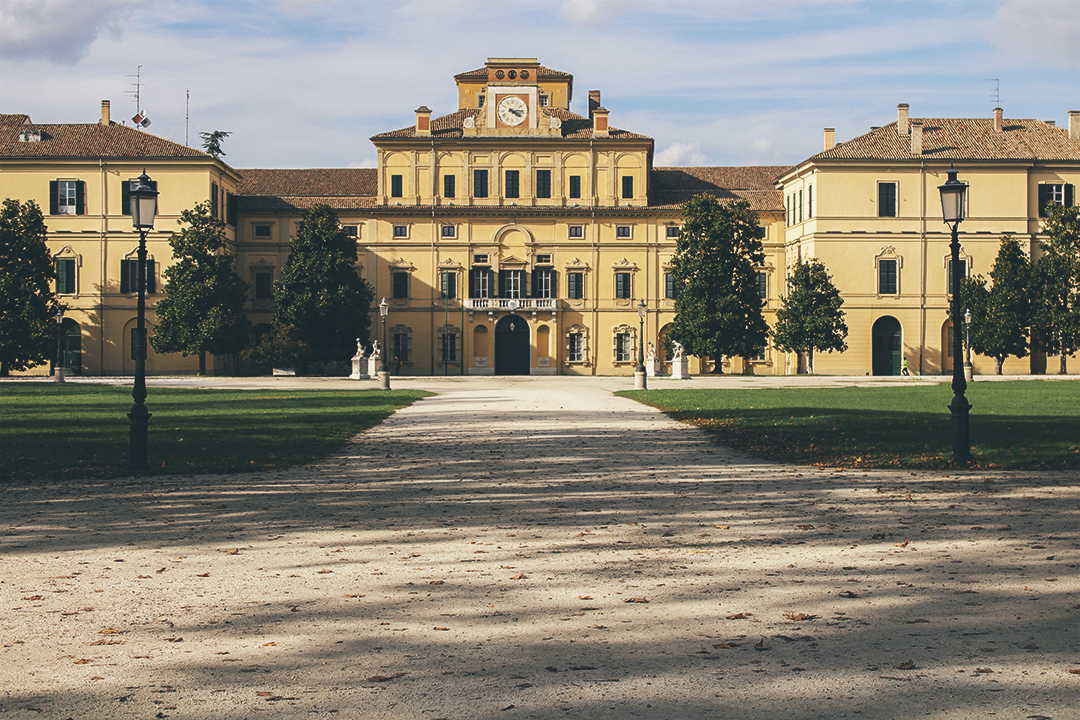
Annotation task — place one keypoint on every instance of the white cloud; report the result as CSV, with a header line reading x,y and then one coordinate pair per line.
x,y
59,30
680,154
593,12
1044,29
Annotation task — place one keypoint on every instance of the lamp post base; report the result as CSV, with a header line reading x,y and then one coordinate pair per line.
x,y
960,409
58,374
969,372
384,379
639,380
140,423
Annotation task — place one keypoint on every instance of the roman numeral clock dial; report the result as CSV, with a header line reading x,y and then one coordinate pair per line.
x,y
513,111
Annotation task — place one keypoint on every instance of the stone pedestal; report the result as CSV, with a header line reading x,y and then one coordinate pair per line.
x,y
652,366
373,366
680,368
360,368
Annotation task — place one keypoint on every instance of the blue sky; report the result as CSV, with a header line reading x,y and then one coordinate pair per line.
x,y
305,83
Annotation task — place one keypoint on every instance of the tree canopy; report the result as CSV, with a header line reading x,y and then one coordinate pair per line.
x,y
718,310
320,295
202,310
1001,312
1057,285
810,317
27,302
212,141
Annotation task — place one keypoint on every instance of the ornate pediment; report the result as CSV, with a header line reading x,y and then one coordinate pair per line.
x,y
402,264
577,264
624,264
512,261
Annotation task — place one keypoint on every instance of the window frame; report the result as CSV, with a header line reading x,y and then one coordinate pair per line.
x,y
67,280
256,284
403,234
399,284
627,187
888,201
1048,193
512,184
575,282
397,186
884,277
575,354
449,186
543,183
448,281
480,182
624,232
624,346
575,232
448,230
574,190
624,285
671,291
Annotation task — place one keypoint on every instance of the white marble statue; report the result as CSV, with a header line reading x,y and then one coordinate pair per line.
x,y
651,353
678,350
376,350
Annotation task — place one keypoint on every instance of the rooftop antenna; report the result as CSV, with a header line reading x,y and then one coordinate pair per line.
x,y
187,116
139,119
997,91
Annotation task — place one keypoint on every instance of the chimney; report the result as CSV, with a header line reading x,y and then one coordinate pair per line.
x,y
423,120
997,120
916,137
830,138
105,112
902,125
594,101
600,122
1074,125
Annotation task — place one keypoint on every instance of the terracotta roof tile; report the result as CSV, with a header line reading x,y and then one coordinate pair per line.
x,y
86,141
962,139
274,203
541,72
669,187
313,182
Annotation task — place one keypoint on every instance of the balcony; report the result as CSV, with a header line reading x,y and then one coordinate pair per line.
x,y
512,304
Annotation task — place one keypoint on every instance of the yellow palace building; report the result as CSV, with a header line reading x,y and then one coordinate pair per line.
x,y
514,236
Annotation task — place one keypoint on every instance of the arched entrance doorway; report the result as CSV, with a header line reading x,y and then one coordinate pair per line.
x,y
512,351
887,343
71,347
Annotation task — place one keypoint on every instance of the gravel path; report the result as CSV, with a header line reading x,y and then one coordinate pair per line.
x,y
542,549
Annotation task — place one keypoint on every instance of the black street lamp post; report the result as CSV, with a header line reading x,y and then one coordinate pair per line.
x,y
143,210
384,369
58,371
952,210
640,383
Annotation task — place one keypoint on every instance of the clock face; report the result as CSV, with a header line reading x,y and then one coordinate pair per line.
x,y
513,111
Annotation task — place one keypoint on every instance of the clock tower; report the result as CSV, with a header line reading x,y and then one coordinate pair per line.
x,y
513,94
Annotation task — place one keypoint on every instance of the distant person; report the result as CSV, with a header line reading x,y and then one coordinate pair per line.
x,y
905,368
397,365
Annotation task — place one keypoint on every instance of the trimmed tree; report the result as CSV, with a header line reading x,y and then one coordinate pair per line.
x,y
202,310
1000,313
212,142
27,302
717,306
1057,286
810,317
319,295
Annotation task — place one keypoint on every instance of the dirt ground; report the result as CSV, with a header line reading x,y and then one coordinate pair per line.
x,y
542,549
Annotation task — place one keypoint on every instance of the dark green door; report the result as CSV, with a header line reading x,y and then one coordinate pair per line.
x,y
71,347
887,340
512,350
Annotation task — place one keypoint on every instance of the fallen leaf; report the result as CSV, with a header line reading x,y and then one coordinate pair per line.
x,y
982,671
108,631
635,600
203,575
584,597
807,526
436,582
160,571
384,678
234,551
739,616
848,594
269,644
174,639
906,665
799,617
761,645
727,645
1075,671
520,576
263,693
35,597
441,628
903,544
323,572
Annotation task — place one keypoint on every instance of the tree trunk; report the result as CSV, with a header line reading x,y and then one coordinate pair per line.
x,y
999,363
1062,369
202,363
810,361
3,368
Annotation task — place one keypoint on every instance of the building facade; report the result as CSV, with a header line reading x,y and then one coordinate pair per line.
x,y
514,236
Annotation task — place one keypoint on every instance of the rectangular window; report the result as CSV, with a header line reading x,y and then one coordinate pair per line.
x,y
763,285
886,192
575,350
543,183
543,259
480,259
790,210
809,202
622,231
396,186
448,341
67,197
481,282
575,186
669,286
963,274
545,100
352,231
65,277
1060,193
627,187
264,283
672,232
480,101
448,284
949,340
623,289
401,284
800,206
512,282
480,181
259,231
576,231
214,199
449,185
401,348
232,209
886,277
544,283
448,231
513,179
129,272
575,285
401,231
623,347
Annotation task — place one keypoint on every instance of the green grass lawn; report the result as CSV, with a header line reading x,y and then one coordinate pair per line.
x,y
75,430
1016,424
